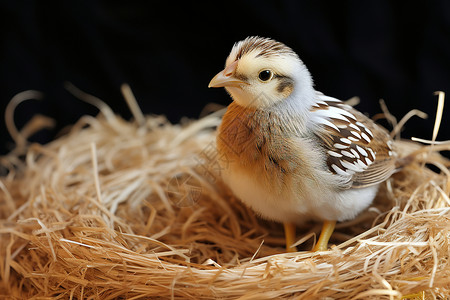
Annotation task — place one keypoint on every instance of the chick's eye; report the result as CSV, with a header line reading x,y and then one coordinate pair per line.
x,y
265,75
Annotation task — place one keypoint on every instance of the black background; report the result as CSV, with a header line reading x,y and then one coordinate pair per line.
x,y
168,52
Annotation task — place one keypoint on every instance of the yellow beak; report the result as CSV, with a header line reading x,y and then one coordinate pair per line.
x,y
226,78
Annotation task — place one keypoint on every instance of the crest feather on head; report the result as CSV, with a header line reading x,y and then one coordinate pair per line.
x,y
264,47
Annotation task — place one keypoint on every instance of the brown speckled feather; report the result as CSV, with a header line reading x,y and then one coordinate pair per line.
x,y
355,145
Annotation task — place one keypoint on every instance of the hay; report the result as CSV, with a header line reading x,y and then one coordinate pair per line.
x,y
133,210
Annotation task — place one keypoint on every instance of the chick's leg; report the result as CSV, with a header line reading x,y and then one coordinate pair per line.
x,y
327,230
289,232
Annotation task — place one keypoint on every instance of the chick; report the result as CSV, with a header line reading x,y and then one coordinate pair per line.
x,y
293,153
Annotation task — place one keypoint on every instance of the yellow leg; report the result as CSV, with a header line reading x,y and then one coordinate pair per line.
x,y
289,232
327,230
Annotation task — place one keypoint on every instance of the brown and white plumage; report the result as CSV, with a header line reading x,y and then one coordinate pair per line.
x,y
292,152
356,146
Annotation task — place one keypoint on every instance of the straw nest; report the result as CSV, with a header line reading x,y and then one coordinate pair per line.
x,y
132,210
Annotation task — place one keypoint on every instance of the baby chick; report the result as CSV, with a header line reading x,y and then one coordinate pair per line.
x,y
292,152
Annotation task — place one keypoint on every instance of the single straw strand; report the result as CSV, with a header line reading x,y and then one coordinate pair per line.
x,y
133,104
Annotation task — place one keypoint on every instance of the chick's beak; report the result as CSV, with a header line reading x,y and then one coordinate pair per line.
x,y
226,77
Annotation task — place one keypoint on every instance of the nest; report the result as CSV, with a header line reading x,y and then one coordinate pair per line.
x,y
135,210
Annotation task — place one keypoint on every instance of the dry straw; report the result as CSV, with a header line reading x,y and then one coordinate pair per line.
x,y
133,210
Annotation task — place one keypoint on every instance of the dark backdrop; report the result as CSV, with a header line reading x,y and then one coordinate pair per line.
x,y
168,52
